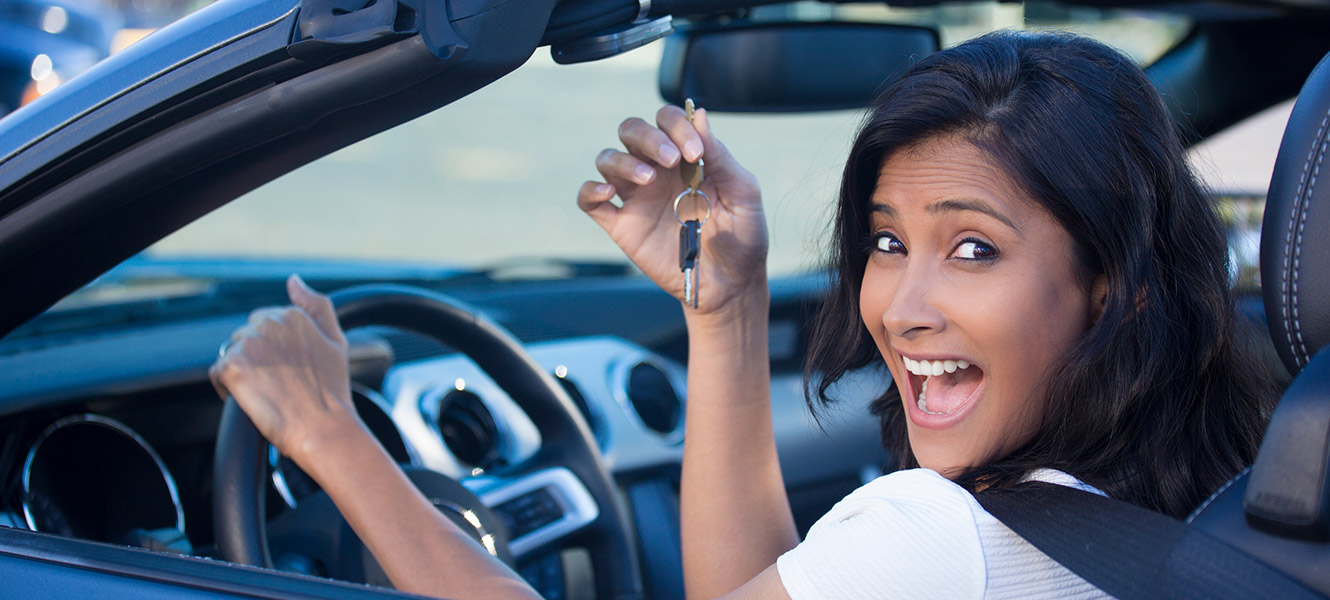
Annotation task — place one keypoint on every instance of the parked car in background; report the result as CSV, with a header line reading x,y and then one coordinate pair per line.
x,y
44,43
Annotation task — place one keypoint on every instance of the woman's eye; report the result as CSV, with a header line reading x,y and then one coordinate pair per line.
x,y
972,249
885,242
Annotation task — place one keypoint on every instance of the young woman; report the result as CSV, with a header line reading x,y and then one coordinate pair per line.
x,y
1018,240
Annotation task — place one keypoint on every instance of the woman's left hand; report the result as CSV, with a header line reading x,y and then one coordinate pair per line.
x,y
287,369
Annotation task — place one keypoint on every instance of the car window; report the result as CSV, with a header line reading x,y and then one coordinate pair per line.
x,y
493,177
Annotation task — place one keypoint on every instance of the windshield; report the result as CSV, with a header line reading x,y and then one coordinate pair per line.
x,y
493,177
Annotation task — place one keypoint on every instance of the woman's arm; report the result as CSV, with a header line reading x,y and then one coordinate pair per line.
x,y
736,516
419,549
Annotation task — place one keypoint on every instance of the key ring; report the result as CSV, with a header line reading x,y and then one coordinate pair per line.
x,y
689,192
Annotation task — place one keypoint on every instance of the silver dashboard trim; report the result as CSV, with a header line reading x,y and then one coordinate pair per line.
x,y
114,425
468,515
579,508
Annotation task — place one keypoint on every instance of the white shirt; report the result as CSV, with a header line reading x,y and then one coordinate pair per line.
x,y
915,534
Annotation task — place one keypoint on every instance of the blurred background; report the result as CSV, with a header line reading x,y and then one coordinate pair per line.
x,y
493,177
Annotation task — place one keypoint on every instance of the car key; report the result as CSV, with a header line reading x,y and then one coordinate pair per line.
x,y
690,231
690,246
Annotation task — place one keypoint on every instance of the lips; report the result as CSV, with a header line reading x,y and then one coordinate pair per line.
x,y
940,390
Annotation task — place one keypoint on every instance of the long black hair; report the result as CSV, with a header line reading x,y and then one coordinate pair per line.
x,y
1161,401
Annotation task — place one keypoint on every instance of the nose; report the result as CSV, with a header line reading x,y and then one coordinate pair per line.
x,y
913,306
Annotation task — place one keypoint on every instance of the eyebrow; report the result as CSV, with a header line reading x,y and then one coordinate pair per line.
x,y
952,205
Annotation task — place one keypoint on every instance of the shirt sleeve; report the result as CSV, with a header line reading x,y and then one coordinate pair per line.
x,y
910,534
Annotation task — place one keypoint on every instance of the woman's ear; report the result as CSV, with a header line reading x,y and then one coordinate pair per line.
x,y
1098,296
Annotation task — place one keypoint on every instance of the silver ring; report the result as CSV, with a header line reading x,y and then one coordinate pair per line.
x,y
643,9
689,192
221,352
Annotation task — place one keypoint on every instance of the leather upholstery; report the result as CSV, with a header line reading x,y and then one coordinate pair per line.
x,y
1295,260
1278,511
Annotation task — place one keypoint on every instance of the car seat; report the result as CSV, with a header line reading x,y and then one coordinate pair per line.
x,y
1278,510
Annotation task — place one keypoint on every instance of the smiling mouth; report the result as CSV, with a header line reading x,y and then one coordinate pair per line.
x,y
943,386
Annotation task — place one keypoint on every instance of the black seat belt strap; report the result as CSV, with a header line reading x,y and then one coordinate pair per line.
x,y
1132,552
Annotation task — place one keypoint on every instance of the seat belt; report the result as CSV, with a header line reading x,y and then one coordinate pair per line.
x,y
1132,552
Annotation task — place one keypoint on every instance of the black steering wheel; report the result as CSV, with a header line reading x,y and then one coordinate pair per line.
x,y
241,459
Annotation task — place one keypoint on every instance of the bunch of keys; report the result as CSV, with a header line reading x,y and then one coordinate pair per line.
x,y
690,232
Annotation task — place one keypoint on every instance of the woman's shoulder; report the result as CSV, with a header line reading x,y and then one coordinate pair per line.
x,y
907,484
919,534
909,499
912,532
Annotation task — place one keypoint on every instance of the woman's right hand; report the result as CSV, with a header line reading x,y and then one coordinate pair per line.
x,y
646,177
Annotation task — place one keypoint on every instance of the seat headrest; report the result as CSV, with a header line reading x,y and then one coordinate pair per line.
x,y
1295,253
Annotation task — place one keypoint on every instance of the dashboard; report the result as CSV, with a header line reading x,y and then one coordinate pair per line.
x,y
111,439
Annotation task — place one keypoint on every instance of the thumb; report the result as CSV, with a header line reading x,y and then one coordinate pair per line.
x,y
317,306
721,165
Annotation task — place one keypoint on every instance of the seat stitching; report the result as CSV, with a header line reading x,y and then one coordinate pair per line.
x,y
1214,496
1288,257
1319,148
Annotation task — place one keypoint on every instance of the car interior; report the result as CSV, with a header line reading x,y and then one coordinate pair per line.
x,y
539,403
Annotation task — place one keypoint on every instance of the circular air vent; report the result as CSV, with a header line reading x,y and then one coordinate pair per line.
x,y
653,398
468,428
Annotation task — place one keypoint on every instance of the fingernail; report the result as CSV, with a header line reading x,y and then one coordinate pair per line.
x,y
668,154
604,189
643,173
692,150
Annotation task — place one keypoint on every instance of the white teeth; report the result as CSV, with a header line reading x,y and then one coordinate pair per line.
x,y
929,369
926,368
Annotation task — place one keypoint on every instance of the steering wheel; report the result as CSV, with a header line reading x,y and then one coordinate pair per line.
x,y
240,462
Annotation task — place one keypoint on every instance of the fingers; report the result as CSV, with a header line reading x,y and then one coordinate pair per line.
x,y
624,169
720,164
717,155
673,136
258,316
650,143
215,376
230,363
594,199
672,120
317,306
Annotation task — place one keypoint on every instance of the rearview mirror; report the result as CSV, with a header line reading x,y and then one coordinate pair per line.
x,y
788,67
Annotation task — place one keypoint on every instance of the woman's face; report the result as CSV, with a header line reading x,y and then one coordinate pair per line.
x,y
971,293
